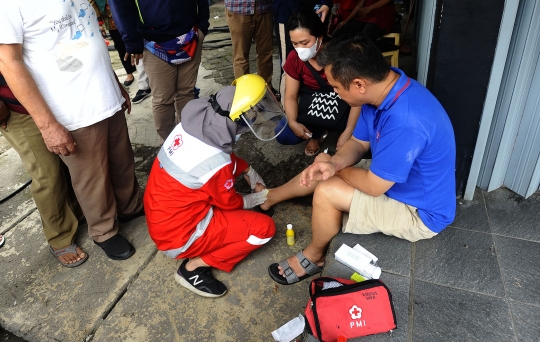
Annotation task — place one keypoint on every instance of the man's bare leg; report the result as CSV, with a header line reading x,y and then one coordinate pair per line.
x,y
330,200
291,189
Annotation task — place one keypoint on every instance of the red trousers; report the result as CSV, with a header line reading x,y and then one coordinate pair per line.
x,y
222,246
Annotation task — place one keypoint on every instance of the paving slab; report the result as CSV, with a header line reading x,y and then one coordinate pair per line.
x,y
460,258
394,254
519,260
526,318
512,215
472,214
446,314
4,145
156,308
15,210
43,301
12,172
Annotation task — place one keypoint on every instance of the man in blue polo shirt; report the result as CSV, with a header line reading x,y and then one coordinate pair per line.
x,y
408,191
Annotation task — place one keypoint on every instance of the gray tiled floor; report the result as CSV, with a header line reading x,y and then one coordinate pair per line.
x,y
478,280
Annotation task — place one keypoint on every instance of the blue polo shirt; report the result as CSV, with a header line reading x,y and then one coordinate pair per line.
x,y
412,143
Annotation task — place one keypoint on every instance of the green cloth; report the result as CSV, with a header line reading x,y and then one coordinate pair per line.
x,y
101,4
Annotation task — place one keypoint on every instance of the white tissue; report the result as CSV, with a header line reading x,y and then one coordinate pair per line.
x,y
290,330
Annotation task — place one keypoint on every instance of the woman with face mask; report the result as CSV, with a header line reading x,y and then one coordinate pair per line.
x,y
311,105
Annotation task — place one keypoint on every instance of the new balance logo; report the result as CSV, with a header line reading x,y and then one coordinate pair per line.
x,y
196,281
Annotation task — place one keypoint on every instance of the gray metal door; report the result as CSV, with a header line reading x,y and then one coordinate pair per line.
x,y
513,144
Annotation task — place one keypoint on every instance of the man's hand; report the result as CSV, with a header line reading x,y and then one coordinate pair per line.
x,y
323,157
58,139
127,104
323,11
133,57
4,115
319,170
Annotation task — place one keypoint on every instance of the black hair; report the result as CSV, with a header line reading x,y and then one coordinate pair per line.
x,y
353,56
307,20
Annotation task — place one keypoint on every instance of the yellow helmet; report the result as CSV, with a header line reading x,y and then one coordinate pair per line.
x,y
250,89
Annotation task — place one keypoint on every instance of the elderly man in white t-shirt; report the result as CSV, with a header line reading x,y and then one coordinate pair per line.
x,y
55,62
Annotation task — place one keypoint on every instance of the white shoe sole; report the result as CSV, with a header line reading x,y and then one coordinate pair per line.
x,y
141,100
193,289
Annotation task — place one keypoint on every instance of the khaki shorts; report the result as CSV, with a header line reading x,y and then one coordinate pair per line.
x,y
382,214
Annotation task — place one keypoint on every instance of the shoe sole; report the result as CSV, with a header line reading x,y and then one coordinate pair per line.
x,y
193,289
141,100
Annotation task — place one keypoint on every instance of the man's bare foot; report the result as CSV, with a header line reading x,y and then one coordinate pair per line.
x,y
259,187
70,258
268,203
294,263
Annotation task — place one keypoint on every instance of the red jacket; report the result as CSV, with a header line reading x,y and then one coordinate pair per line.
x,y
188,181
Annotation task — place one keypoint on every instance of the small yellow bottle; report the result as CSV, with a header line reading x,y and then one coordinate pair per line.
x,y
290,235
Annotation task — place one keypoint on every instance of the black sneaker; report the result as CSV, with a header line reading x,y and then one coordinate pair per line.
x,y
200,281
141,95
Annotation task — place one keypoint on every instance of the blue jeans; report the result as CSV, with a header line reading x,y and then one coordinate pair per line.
x,y
287,137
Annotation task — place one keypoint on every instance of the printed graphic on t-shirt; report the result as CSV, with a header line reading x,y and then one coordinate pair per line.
x,y
324,105
77,22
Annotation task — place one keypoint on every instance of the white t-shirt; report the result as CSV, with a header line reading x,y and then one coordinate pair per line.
x,y
66,55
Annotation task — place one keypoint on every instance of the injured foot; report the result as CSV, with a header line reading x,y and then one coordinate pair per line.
x,y
70,258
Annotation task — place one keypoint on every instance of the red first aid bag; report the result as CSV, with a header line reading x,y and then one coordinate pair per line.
x,y
342,307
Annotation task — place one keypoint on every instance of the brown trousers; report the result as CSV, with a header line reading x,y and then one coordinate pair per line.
x,y
59,212
172,88
103,175
243,29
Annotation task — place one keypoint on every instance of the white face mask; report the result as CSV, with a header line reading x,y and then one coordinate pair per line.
x,y
307,53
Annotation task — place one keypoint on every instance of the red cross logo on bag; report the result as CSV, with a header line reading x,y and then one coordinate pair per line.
x,y
355,312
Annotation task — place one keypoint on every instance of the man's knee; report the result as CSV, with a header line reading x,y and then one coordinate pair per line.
x,y
334,191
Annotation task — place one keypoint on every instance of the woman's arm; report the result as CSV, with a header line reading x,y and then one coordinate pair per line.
x,y
354,114
292,89
359,5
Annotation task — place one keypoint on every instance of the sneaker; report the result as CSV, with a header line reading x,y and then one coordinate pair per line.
x,y
200,281
141,95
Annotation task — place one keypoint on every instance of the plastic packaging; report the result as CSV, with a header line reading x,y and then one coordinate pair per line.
x,y
290,330
290,235
358,262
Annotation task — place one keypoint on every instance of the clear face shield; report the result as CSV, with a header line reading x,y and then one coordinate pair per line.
x,y
263,118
